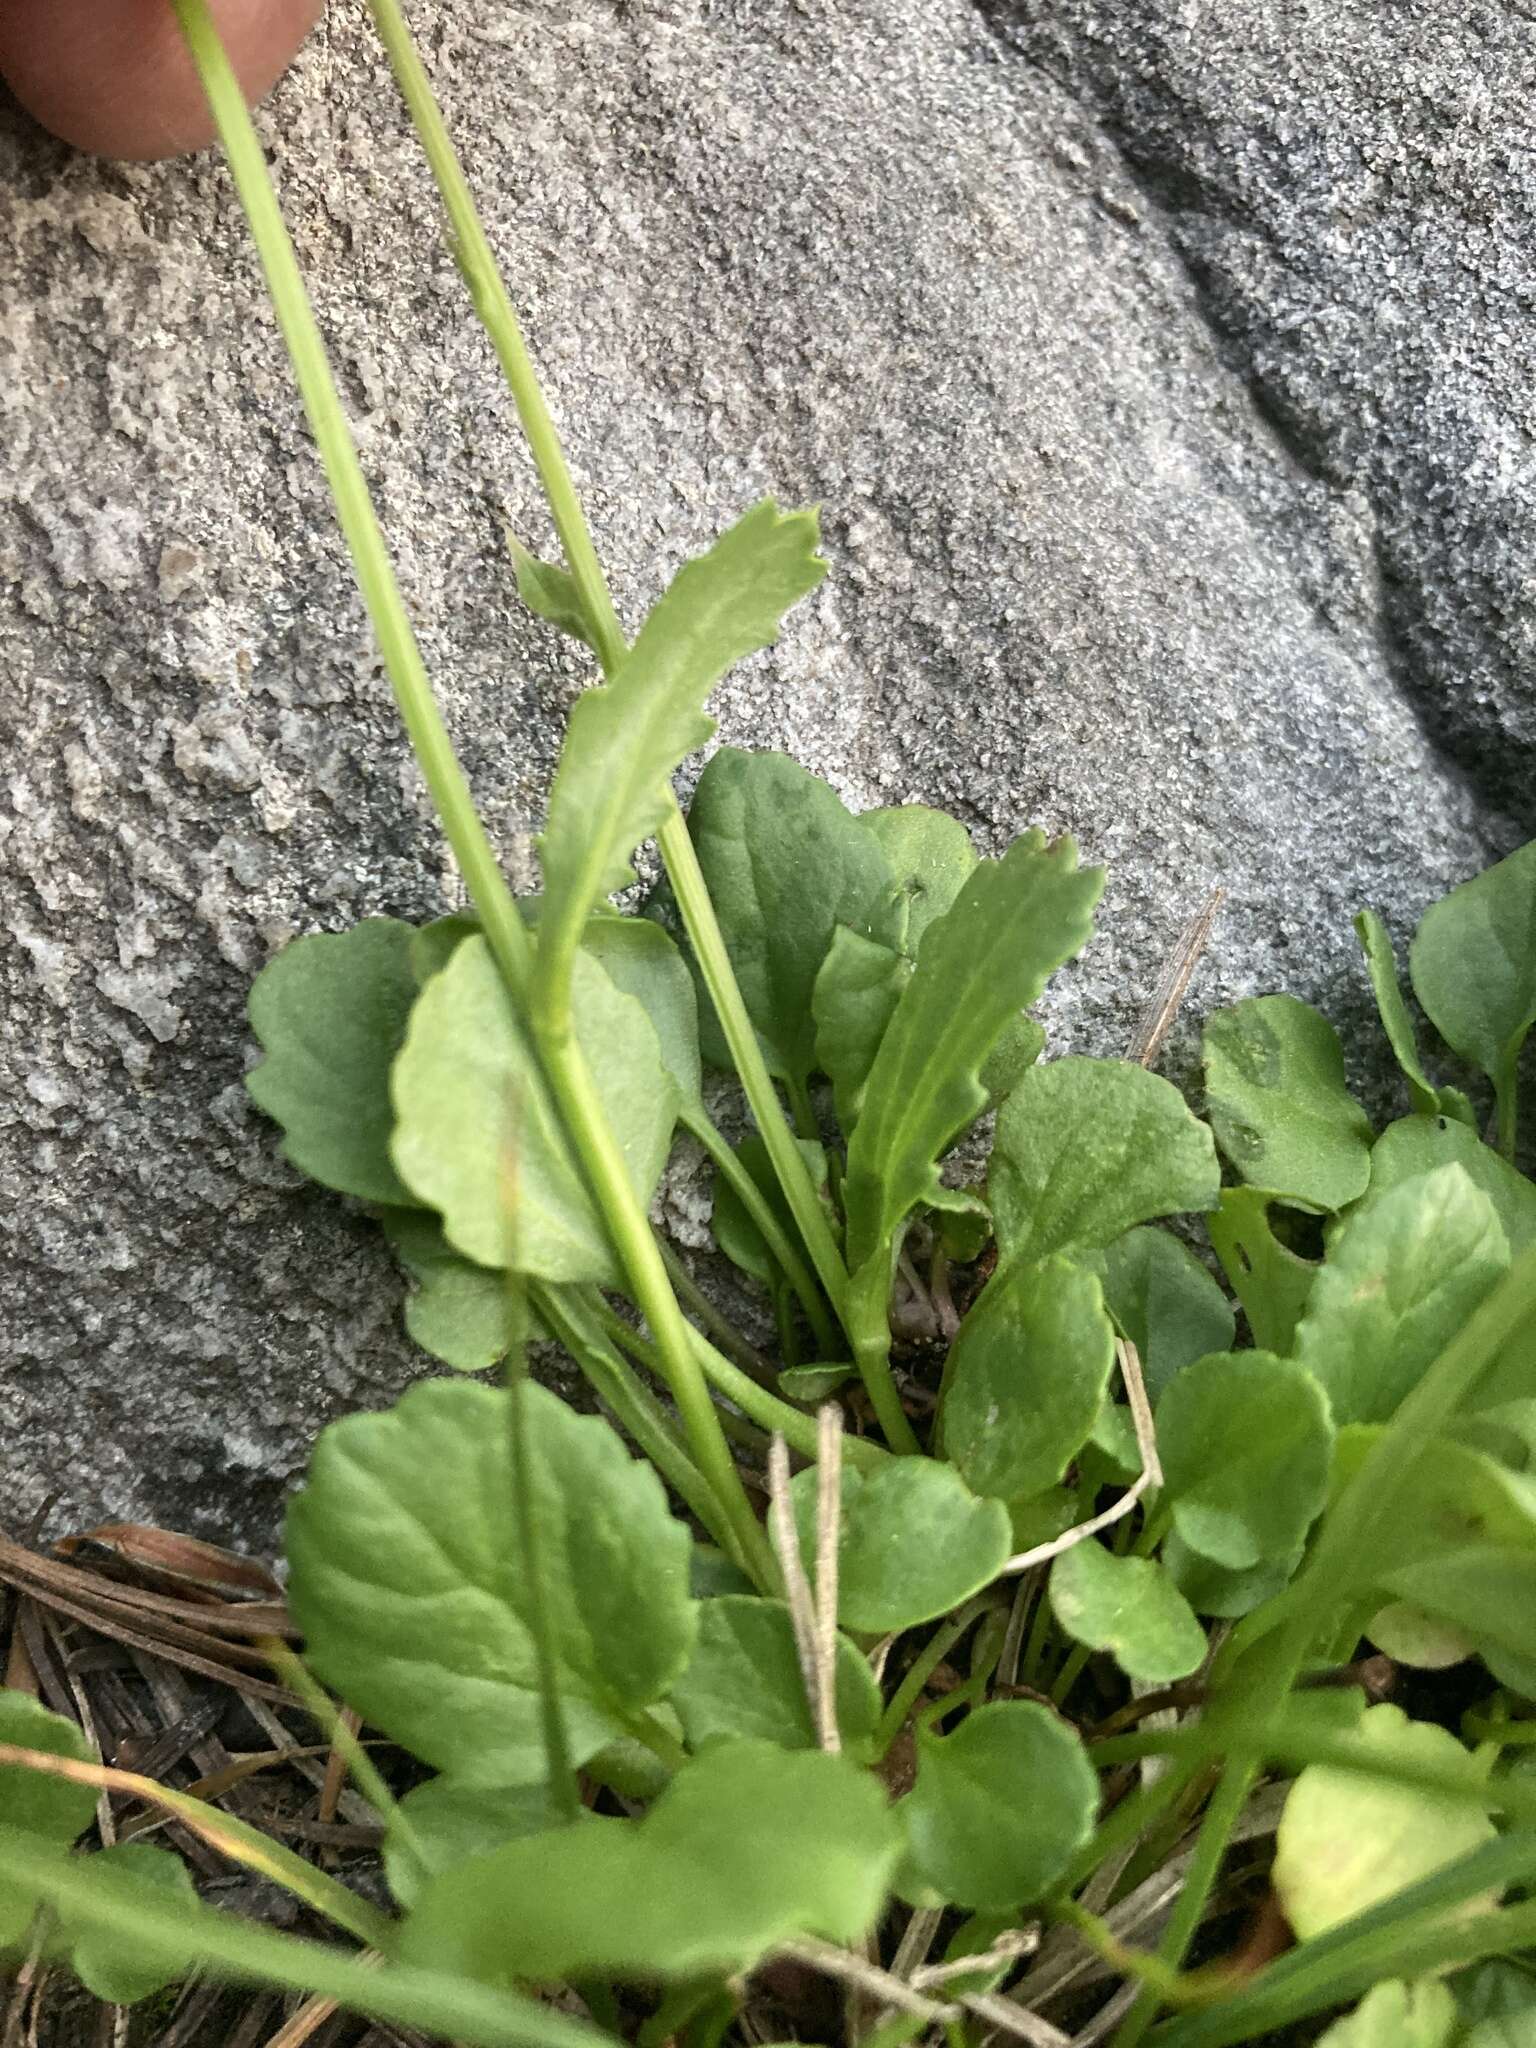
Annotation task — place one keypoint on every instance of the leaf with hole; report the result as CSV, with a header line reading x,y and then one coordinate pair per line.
x,y
787,865
1273,1282
998,1808
1275,1095
1086,1148
988,957
1130,1607
1163,1300
624,740
1246,1442
1473,963
1026,1375
744,1679
1404,1273
475,1119
330,1013
406,1580
914,1541
1347,1842
749,1846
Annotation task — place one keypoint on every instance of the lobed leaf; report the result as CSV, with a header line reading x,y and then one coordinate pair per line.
x,y
1130,1607
987,958
1404,1273
405,1577
914,1541
625,739
1026,1375
1275,1095
1086,1148
749,1846
1246,1443
470,1100
330,1013
998,1808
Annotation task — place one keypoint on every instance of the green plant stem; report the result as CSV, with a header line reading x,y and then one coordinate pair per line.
x,y
575,1318
1070,1672
494,308
868,1323
658,1739
771,1231
564,1795
441,2003
504,928
1507,1090
922,1668
709,949
297,1676
719,1328
1171,1986
445,779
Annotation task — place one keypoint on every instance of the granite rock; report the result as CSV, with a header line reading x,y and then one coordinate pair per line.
x,y
891,255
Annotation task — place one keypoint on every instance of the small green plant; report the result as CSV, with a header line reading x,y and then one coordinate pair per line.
x,y
1066,1568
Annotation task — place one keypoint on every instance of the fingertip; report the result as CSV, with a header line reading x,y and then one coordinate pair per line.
x,y
113,76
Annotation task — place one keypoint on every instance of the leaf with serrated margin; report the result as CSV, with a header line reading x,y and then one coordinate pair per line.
x,y
625,739
1011,926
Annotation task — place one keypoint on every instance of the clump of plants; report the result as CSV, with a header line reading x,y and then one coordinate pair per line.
x,y
944,1650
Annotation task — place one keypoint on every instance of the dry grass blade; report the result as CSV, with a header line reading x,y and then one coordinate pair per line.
x,y
849,1968
829,1516
1156,1019
1008,1948
1151,1473
797,1587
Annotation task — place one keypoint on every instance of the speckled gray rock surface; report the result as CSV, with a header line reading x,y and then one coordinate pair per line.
x,y
863,253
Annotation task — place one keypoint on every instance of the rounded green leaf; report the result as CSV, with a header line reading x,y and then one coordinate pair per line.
x,y
118,1971
1275,1095
744,1678
1212,1589
1473,963
1246,1442
1027,1373
330,1014
998,1808
406,1578
475,1119
1401,1278
1419,1144
1086,1148
447,1820
1130,1607
931,858
1164,1301
455,1310
914,1541
1396,2015
641,961
749,1846
1409,1636
32,1802
1347,1842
